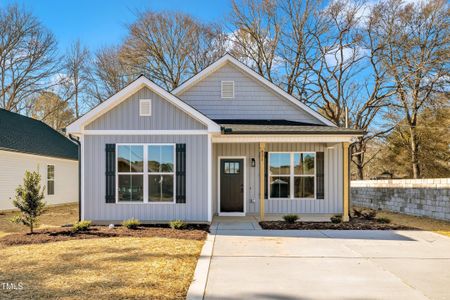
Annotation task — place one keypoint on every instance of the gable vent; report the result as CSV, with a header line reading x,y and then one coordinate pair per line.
x,y
145,107
227,89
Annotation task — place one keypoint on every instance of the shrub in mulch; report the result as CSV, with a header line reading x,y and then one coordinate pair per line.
x,y
353,224
192,232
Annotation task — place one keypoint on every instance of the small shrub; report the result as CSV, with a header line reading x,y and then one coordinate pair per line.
x,y
177,224
81,226
290,218
369,214
336,219
131,223
383,220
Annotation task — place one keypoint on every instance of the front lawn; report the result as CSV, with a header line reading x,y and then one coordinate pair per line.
x,y
423,223
55,216
101,268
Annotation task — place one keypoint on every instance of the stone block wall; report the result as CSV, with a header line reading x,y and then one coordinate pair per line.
x,y
418,197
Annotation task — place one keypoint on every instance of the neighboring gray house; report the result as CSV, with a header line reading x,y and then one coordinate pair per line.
x,y
198,151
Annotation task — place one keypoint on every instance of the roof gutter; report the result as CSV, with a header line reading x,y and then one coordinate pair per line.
x,y
77,141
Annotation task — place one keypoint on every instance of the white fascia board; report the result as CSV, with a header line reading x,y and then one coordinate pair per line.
x,y
145,132
228,58
307,138
78,125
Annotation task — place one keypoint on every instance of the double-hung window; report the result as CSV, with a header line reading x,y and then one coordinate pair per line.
x,y
50,179
292,175
161,173
145,173
130,173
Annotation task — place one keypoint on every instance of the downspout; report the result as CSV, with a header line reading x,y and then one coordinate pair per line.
x,y
77,141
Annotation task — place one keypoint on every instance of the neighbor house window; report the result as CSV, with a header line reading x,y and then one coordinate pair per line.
x,y
145,173
292,175
50,179
161,175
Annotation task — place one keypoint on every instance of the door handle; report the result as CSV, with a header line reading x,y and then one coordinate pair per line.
x,y
242,187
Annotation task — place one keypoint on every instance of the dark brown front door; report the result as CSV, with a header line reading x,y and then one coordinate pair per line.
x,y
232,185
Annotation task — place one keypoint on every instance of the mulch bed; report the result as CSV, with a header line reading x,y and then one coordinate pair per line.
x,y
192,232
353,224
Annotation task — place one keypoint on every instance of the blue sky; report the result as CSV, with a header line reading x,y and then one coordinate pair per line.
x,y
100,23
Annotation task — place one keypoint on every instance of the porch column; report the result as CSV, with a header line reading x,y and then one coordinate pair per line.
x,y
345,216
262,147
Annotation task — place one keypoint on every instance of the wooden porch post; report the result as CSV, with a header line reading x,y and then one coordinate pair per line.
x,y
345,216
262,147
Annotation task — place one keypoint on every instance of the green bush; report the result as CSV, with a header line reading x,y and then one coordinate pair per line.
x,y
81,226
177,224
336,219
131,223
383,220
290,218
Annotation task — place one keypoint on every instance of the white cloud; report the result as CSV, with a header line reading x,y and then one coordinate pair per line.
x,y
333,56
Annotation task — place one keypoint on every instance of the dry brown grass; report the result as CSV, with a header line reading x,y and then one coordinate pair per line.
x,y
55,216
442,227
113,268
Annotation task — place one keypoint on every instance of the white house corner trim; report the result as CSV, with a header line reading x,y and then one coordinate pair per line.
x,y
82,177
209,178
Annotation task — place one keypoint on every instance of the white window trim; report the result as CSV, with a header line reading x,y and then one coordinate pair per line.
x,y
48,165
292,175
221,89
149,101
146,173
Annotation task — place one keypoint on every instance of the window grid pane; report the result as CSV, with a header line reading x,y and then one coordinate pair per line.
x,y
292,175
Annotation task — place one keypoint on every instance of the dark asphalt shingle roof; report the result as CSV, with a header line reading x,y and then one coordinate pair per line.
x,y
280,127
22,134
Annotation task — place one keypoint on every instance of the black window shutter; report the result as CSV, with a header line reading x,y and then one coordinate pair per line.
x,y
110,173
180,173
320,175
266,164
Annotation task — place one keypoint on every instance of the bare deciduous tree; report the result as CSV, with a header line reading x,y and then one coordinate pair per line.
x,y
77,75
256,32
109,74
416,54
28,59
169,47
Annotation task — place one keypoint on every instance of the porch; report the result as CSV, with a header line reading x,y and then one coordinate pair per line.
x,y
244,184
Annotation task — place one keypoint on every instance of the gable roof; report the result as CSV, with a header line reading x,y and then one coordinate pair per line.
x,y
22,134
227,58
78,125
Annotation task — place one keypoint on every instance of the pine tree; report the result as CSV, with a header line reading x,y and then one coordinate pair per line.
x,y
29,200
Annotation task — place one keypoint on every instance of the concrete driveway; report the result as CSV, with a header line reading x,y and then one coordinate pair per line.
x,y
249,263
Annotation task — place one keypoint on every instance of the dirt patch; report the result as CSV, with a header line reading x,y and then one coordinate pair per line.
x,y
354,224
193,232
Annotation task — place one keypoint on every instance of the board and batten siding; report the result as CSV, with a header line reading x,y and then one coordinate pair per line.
x,y
165,116
333,201
12,170
252,99
196,207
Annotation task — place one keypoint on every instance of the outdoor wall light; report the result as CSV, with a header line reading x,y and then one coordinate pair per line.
x,y
253,162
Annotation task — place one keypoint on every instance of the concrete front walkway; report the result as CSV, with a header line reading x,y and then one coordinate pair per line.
x,y
250,263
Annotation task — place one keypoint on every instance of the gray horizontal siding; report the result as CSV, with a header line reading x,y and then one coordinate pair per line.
x,y
126,115
196,205
252,99
333,178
